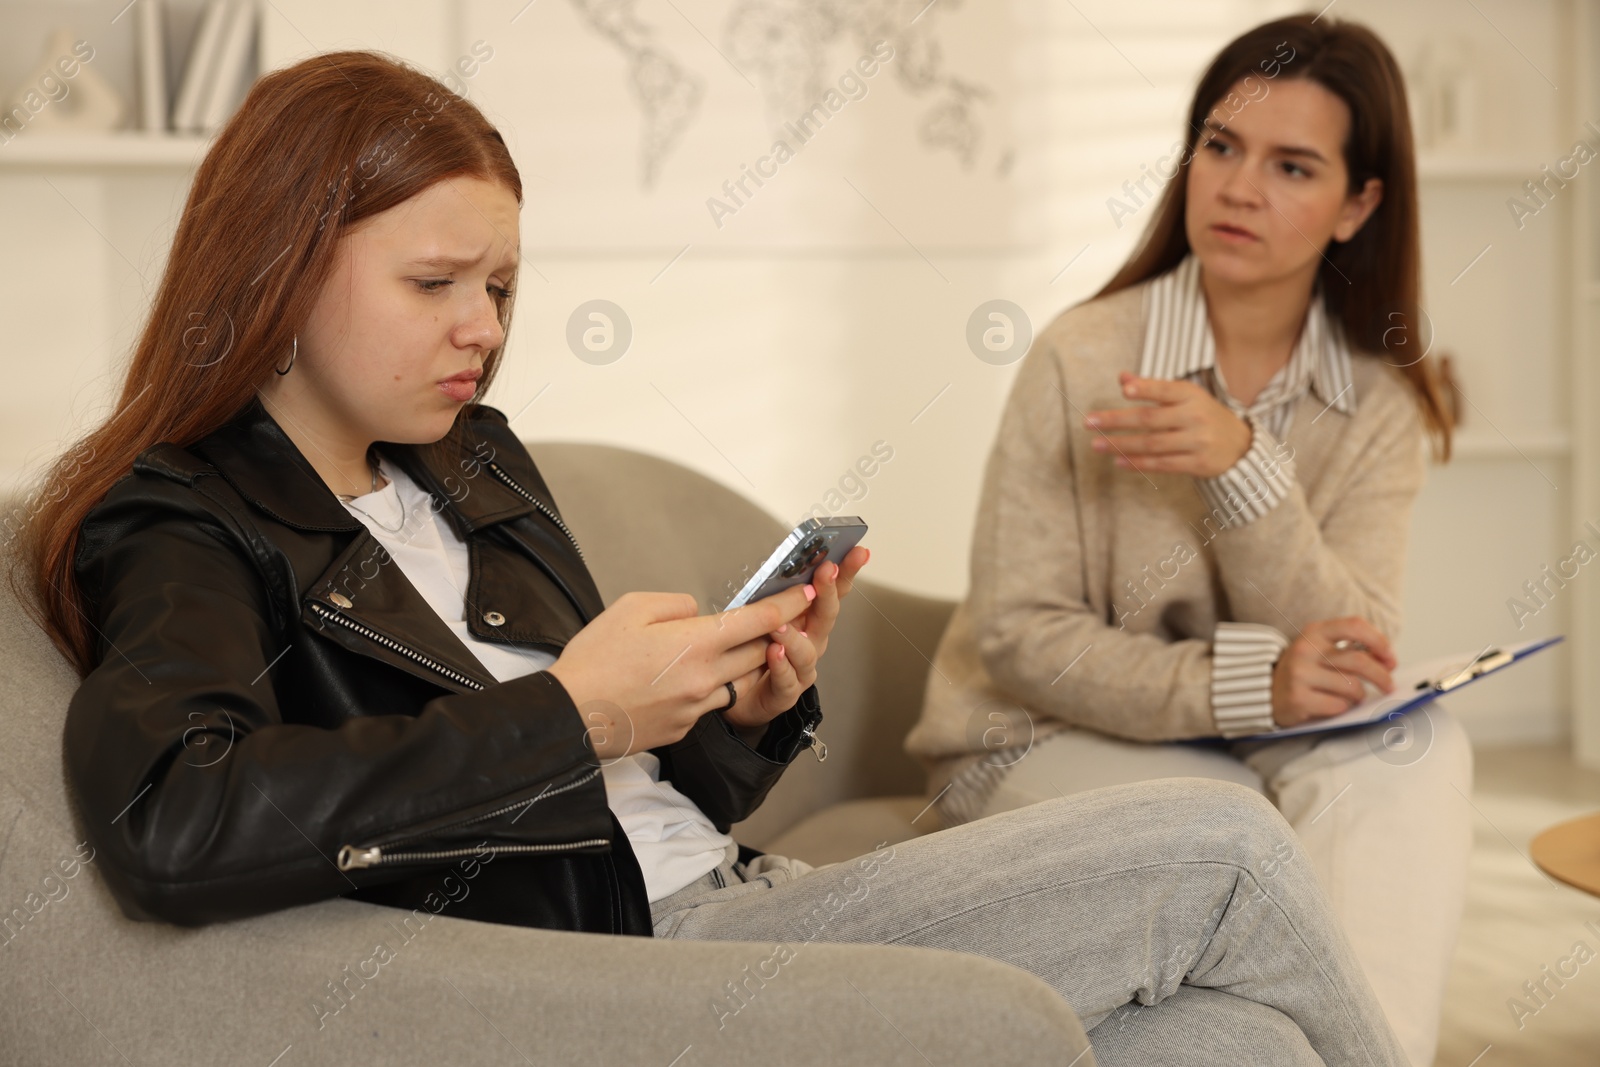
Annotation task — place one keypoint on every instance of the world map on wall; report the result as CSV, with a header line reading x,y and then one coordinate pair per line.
x,y
784,49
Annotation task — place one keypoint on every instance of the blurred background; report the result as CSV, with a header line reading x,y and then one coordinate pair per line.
x,y
774,335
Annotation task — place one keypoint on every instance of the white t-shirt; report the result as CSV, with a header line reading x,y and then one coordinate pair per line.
x,y
672,838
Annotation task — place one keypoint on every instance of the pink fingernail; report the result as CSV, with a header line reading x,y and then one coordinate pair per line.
x,y
782,652
784,628
811,591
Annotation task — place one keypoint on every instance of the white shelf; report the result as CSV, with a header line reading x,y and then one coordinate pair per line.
x,y
1465,168
119,149
1483,442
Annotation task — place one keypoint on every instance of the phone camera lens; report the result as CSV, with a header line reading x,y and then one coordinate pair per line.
x,y
803,557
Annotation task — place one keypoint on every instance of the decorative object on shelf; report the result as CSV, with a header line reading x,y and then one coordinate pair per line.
x,y
1446,94
152,67
219,60
62,94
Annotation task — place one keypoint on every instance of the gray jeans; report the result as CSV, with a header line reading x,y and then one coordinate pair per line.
x,y
1178,918
1381,814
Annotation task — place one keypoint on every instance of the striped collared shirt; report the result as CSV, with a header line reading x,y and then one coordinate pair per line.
x,y
1179,345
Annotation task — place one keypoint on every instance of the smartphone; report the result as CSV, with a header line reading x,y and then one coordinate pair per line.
x,y
797,557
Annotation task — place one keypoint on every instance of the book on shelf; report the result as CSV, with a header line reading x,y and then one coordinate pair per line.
x,y
233,59
152,68
200,66
215,72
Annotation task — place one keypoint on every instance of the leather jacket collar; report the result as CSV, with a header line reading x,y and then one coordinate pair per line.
x,y
250,451
498,503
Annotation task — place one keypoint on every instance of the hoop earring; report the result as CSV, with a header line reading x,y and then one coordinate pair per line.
x,y
292,354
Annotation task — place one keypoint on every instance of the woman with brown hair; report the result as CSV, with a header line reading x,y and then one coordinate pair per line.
x,y
334,636
1155,582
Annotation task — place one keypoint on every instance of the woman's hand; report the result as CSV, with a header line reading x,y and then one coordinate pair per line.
x,y
1316,678
645,669
791,663
1188,431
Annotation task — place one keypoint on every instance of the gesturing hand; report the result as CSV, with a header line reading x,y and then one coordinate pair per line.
x,y
1315,678
1188,431
791,664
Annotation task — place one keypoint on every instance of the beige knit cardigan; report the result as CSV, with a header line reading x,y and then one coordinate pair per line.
x,y
1095,590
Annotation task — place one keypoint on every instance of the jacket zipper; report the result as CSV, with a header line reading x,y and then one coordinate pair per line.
x,y
540,505
455,675
818,747
355,857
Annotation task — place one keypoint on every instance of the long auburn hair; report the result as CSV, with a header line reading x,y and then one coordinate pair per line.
x,y
1372,283
313,149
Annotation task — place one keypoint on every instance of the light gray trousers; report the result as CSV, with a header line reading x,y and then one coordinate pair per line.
x,y
1179,918
1381,813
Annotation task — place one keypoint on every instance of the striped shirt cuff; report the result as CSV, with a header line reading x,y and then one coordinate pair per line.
x,y
1242,658
1259,482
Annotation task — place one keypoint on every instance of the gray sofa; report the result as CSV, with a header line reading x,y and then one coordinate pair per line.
x,y
82,985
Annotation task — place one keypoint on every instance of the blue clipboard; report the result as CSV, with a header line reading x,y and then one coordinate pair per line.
x,y
1421,683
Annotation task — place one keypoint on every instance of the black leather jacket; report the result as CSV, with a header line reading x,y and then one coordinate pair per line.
x,y
278,716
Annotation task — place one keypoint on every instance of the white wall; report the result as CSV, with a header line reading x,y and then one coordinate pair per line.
x,y
1494,517
831,310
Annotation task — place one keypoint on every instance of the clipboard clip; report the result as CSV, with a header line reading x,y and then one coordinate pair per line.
x,y
1488,660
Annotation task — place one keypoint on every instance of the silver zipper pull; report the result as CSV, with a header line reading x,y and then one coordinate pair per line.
x,y
351,858
817,746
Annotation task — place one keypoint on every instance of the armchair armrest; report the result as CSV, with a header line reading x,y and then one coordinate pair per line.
x,y
344,981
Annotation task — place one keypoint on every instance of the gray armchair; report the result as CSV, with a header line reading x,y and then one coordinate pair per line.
x,y
83,985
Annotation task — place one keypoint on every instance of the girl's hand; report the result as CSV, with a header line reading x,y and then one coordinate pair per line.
x,y
791,663
1188,431
643,671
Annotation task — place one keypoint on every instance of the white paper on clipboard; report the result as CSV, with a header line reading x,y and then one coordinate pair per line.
x,y
1416,684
